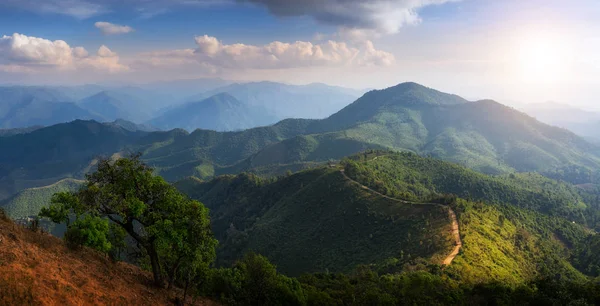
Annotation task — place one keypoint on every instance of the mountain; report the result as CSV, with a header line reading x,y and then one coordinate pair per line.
x,y
379,209
284,101
582,122
111,106
221,112
316,221
17,131
485,136
133,127
50,154
22,107
28,202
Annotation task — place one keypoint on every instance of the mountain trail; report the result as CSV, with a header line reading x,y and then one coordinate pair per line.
x,y
455,230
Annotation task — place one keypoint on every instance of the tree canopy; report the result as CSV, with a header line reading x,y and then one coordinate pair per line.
x,y
171,231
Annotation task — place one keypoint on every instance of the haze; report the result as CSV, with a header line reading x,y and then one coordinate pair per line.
x,y
512,51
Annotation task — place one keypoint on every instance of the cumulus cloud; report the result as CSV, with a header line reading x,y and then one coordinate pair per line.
x,y
383,16
20,52
211,52
212,55
108,28
278,54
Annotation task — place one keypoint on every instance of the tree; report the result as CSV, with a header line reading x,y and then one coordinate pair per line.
x,y
171,230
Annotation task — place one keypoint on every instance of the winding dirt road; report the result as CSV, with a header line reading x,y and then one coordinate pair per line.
x,y
455,230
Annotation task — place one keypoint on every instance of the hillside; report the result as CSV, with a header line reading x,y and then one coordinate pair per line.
x,y
28,202
335,224
485,136
47,155
221,112
321,212
38,269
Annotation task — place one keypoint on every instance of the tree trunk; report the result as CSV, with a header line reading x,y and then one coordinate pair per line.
x,y
158,280
173,274
185,291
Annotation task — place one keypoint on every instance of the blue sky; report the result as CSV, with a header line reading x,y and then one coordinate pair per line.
x,y
508,50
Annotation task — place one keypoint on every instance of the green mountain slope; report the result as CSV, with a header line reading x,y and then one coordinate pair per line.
x,y
50,154
316,220
307,221
28,202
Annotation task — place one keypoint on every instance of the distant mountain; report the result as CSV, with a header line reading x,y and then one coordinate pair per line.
x,y
133,127
484,135
113,105
182,89
221,112
34,106
283,101
50,154
582,122
17,131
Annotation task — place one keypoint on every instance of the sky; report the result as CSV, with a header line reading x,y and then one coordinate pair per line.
x,y
513,51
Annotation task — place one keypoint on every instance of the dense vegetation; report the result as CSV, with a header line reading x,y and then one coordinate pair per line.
x,y
124,199
356,245
28,202
336,225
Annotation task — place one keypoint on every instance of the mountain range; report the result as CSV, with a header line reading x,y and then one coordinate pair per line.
x,y
484,135
582,122
162,104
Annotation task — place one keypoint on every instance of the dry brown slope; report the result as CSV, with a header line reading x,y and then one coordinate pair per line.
x,y
38,269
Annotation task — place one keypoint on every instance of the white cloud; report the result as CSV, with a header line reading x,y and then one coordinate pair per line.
x,y
22,49
278,55
20,52
213,55
108,28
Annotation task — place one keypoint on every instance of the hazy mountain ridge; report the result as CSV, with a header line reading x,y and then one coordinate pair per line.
x,y
483,135
221,112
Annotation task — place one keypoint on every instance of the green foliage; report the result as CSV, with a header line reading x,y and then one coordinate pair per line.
x,y
334,223
90,231
172,231
254,281
412,177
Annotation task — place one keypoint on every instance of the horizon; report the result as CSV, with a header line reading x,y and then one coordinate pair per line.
x,y
530,52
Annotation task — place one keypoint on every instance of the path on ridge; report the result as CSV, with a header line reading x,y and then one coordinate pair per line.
x,y
455,231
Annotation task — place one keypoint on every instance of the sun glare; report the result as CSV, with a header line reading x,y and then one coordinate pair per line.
x,y
542,59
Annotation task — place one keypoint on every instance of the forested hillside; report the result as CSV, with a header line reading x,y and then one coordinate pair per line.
x,y
505,237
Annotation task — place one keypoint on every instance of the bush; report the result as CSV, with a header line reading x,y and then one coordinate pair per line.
x,y
89,231
3,215
254,281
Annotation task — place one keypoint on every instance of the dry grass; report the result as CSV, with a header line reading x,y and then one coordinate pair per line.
x,y
38,269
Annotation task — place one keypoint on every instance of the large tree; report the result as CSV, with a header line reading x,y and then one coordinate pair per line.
x,y
172,231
